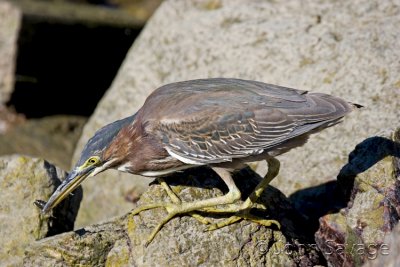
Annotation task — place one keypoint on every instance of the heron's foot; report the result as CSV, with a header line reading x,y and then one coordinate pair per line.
x,y
175,209
243,215
172,209
234,208
241,212
175,199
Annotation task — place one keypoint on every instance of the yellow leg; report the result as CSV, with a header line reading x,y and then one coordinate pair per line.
x,y
169,191
243,211
175,199
175,209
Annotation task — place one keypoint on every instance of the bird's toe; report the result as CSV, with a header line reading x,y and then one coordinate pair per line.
x,y
245,216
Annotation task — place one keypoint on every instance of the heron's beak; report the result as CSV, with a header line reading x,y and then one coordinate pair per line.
x,y
73,180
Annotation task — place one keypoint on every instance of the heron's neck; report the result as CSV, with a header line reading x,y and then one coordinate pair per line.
x,y
124,145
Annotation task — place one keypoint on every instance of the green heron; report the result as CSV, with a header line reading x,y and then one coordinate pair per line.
x,y
222,123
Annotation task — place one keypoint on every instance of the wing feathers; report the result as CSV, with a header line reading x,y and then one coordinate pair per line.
x,y
220,133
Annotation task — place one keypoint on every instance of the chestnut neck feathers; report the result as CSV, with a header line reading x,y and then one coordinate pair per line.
x,y
134,151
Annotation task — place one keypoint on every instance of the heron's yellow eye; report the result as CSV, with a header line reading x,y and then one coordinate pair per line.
x,y
92,161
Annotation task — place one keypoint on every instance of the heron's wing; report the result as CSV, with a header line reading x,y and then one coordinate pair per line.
x,y
235,135
230,136
220,125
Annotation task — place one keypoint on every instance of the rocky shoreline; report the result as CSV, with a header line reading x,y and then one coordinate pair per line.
x,y
337,197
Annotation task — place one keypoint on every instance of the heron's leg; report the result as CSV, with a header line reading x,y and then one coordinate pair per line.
x,y
187,207
175,199
168,190
243,211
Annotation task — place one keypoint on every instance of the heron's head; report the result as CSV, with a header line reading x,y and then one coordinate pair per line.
x,y
93,160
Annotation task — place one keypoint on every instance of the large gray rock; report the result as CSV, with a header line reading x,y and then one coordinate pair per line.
x,y
344,48
22,181
9,27
183,241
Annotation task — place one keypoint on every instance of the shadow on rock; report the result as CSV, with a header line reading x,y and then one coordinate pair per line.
x,y
364,156
63,217
351,216
315,202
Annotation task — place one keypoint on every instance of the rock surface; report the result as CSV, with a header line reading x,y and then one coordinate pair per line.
x,y
389,257
9,119
183,241
356,234
111,13
22,181
9,27
343,48
52,138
